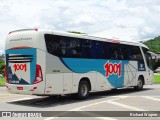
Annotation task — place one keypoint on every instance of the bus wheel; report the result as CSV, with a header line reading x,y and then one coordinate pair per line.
x,y
83,90
139,84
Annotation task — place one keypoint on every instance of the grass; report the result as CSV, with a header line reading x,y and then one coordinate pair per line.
x,y
156,79
2,81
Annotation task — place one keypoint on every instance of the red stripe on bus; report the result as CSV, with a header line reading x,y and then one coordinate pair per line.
x,y
20,47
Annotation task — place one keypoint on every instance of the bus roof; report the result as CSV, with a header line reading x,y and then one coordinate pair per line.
x,y
83,36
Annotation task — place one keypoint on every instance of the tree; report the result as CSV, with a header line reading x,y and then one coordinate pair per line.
x,y
2,66
153,44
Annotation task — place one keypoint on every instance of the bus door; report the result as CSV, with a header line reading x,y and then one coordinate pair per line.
x,y
150,65
67,84
149,61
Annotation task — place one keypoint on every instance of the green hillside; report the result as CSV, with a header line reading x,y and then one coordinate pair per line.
x,y
153,44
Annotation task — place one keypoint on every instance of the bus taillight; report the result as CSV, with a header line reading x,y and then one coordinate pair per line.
x,y
9,33
36,29
38,77
6,75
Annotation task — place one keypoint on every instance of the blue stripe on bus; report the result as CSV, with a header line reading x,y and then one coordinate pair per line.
x,y
79,65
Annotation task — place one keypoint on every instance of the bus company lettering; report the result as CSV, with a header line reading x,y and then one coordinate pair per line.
x,y
111,68
20,67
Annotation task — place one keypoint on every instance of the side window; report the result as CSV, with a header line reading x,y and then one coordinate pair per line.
x,y
113,51
134,53
97,46
137,56
70,47
129,51
48,40
116,51
105,50
52,44
124,52
62,46
77,48
74,47
86,48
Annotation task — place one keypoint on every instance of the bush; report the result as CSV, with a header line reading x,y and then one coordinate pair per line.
x,y
2,67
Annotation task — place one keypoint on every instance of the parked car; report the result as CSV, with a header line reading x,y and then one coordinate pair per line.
x,y
1,75
157,70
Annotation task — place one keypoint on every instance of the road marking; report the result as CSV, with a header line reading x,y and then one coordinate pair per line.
x,y
11,96
125,106
50,118
107,101
27,98
92,104
151,98
4,94
78,109
106,118
101,118
122,97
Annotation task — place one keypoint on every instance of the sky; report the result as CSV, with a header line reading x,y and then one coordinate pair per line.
x,y
131,20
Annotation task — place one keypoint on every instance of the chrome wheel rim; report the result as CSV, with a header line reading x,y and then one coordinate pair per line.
x,y
140,84
84,90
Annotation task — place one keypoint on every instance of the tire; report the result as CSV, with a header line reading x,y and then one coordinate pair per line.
x,y
139,84
83,90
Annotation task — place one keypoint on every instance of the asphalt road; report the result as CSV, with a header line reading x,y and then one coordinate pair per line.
x,y
127,100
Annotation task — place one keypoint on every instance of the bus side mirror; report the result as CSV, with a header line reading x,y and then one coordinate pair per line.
x,y
154,57
154,60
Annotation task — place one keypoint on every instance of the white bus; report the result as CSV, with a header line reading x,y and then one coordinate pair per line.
x,y
45,62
